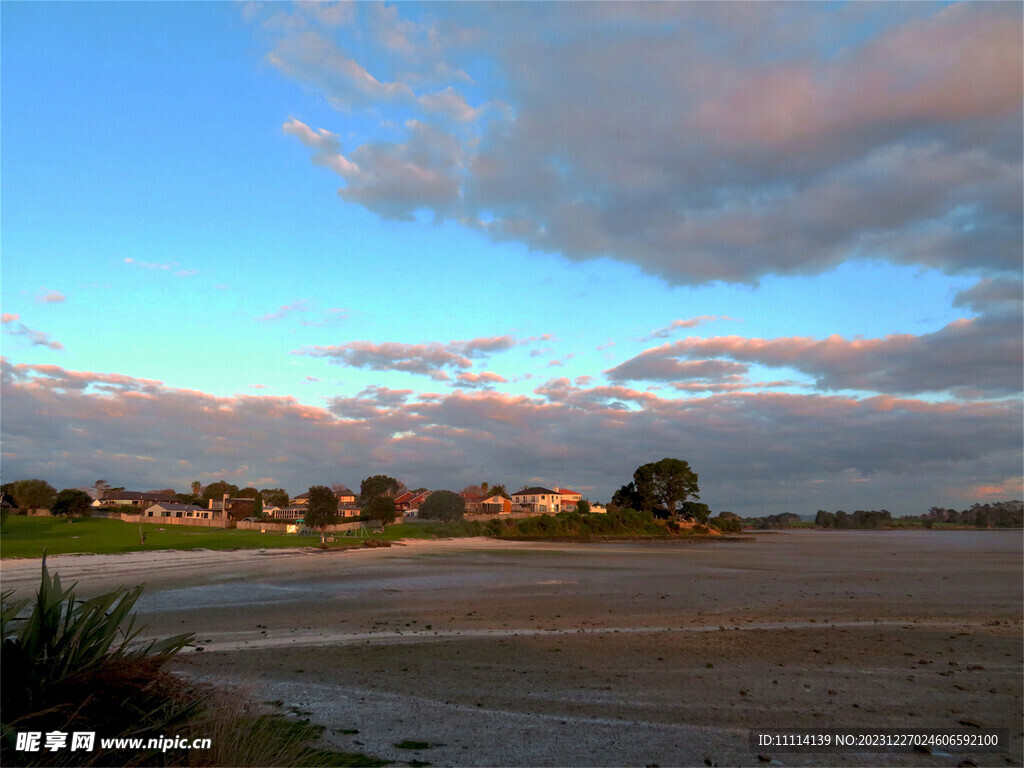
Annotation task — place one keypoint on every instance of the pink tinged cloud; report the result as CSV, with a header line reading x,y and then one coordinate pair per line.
x,y
36,338
963,62
8,317
440,438
52,297
285,310
675,325
481,379
973,358
428,359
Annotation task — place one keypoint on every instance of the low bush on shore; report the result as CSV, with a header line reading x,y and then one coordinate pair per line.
x,y
621,523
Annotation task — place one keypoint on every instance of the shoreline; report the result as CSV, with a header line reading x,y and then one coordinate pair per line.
x,y
602,653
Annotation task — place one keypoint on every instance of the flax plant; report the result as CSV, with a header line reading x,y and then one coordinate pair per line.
x,y
79,665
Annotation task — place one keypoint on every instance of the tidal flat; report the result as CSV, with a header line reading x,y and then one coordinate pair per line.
x,y
479,652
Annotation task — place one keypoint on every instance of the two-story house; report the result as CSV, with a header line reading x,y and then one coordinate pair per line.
x,y
539,500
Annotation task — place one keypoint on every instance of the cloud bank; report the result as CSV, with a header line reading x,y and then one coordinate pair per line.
x,y
755,453
903,145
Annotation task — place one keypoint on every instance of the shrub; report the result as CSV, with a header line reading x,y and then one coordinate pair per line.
x,y
69,665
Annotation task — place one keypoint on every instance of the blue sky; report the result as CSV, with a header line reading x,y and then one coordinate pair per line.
x,y
528,243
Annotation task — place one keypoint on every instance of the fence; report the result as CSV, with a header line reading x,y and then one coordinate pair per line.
x,y
281,526
199,522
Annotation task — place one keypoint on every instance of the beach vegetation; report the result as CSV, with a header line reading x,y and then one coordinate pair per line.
x,y
72,665
443,505
79,665
725,524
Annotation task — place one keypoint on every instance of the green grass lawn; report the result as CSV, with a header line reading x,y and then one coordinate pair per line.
x,y
29,536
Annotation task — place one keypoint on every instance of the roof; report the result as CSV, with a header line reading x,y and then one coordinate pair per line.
x,y
535,491
135,496
173,507
567,492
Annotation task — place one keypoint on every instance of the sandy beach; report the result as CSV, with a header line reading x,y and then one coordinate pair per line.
x,y
629,653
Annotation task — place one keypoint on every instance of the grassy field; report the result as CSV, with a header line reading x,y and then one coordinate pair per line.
x,y
29,536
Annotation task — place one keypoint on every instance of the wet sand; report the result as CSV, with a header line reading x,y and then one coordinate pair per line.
x,y
605,654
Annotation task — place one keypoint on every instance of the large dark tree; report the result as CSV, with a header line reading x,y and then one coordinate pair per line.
x,y
217,490
275,497
443,505
378,485
71,502
321,510
380,508
666,482
32,494
626,497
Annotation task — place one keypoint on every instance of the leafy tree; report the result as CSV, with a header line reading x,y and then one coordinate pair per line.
x,y
275,497
321,510
378,485
197,488
247,493
217,490
257,507
628,498
666,482
187,498
71,502
726,523
824,519
99,489
33,494
474,490
498,490
443,505
583,507
696,510
380,508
